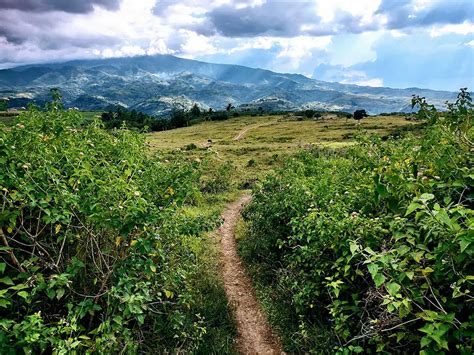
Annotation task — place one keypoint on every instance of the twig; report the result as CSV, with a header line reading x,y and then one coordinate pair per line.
x,y
9,251
383,330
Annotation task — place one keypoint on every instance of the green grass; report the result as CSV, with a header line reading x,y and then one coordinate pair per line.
x,y
268,139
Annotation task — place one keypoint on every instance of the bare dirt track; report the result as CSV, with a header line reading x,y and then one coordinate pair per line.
x,y
254,334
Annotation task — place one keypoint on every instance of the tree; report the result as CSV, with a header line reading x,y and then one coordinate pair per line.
x,y
195,111
179,118
229,107
3,104
360,114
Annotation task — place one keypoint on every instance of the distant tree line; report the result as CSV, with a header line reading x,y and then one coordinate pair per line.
x,y
134,120
183,118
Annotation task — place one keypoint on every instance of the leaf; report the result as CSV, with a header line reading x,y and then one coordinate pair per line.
x,y
118,241
379,279
426,197
57,228
169,294
9,229
410,274
412,207
6,280
4,303
18,287
464,242
60,293
153,268
427,328
23,294
373,269
393,288
2,267
427,270
425,341
133,242
353,247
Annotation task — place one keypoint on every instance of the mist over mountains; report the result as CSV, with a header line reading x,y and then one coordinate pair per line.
x,y
156,84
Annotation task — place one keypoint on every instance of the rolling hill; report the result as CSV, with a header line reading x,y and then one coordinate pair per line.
x,y
155,84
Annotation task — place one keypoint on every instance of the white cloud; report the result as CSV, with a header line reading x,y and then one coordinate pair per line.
x,y
363,8
376,82
464,28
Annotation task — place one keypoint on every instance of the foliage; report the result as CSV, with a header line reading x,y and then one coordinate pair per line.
x,y
360,114
133,119
373,246
218,179
96,251
3,104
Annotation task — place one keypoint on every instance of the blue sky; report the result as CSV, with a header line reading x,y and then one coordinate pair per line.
x,y
395,43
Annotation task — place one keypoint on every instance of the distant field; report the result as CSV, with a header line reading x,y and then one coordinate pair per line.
x,y
267,139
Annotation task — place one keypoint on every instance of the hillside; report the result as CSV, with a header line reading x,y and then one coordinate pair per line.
x,y
155,84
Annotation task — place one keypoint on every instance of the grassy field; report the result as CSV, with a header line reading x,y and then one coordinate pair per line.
x,y
253,145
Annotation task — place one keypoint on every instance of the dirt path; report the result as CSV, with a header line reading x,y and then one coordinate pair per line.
x,y
254,333
242,133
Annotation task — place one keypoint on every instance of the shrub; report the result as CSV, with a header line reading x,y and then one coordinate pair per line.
x,y
217,180
360,114
373,247
94,253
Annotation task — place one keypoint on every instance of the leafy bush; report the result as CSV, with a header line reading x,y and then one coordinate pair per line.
x,y
372,248
217,180
134,120
96,254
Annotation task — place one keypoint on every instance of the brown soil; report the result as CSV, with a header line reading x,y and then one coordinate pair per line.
x,y
254,333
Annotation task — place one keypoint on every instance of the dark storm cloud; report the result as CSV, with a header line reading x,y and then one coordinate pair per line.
x,y
274,18
42,33
402,13
71,6
280,18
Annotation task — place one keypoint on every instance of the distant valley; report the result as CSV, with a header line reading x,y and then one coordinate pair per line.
x,y
156,84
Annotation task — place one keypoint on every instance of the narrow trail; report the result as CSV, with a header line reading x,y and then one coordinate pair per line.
x,y
242,133
254,333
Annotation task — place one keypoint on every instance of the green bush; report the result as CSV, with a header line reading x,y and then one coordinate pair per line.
x,y
96,254
371,249
218,179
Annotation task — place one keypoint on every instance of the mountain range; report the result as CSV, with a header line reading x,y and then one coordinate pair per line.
x,y
156,84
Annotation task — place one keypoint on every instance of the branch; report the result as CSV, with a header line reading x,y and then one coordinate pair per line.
x,y
9,251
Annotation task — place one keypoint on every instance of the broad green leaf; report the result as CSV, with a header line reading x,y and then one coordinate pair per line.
x,y
426,197
23,294
60,293
6,280
393,288
379,279
4,303
412,207
373,269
